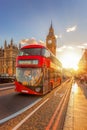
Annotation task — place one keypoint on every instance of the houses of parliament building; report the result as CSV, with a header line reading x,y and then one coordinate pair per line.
x,y
8,58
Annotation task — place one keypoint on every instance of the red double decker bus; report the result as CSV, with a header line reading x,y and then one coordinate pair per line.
x,y
38,71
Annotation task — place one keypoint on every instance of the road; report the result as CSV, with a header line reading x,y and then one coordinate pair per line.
x,y
29,112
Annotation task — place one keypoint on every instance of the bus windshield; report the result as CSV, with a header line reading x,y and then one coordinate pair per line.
x,y
30,51
29,76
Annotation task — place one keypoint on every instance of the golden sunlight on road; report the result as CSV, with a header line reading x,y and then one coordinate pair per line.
x,y
75,88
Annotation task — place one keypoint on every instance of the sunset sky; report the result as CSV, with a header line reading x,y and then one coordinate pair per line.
x,y
25,19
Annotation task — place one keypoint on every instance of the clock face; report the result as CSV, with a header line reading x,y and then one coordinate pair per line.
x,y
49,41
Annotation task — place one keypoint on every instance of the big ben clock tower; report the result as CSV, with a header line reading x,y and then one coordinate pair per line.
x,y
51,40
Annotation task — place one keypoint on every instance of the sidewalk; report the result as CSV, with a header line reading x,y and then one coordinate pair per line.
x,y
76,117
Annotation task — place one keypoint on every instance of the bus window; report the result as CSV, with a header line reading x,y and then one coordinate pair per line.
x,y
31,51
30,76
45,53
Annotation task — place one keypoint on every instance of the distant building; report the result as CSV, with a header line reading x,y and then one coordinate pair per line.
x,y
8,58
51,40
83,63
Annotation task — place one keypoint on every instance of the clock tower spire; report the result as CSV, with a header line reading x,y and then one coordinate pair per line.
x,y
51,40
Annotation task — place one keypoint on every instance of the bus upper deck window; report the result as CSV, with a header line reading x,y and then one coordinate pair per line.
x,y
45,52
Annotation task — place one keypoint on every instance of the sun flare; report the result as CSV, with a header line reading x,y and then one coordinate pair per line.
x,y
70,60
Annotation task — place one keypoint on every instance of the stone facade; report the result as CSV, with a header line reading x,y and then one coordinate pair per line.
x,y
83,63
8,58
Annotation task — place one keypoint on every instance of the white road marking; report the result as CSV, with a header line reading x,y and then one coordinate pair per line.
x,y
19,112
6,88
20,123
61,94
57,91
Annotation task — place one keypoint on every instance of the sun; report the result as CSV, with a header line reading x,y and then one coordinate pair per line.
x,y
69,56
70,60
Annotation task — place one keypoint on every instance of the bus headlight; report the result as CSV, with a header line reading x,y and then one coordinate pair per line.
x,y
37,89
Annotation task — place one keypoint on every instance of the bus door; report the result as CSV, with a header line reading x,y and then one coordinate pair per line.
x,y
45,80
